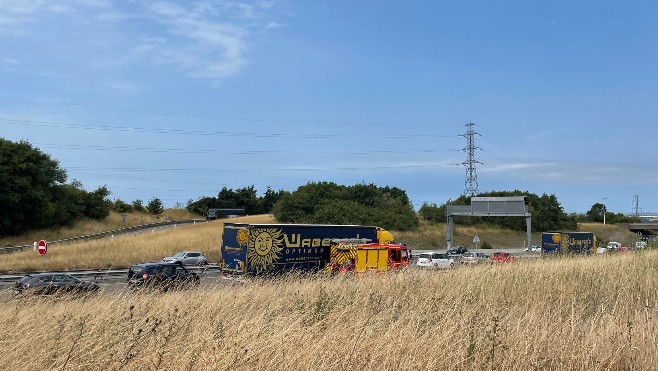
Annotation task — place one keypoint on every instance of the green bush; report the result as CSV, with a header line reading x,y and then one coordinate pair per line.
x,y
486,245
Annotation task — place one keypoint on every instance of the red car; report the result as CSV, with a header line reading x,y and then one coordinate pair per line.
x,y
502,257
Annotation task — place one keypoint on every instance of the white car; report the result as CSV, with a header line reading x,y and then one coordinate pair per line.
x,y
475,258
434,260
535,248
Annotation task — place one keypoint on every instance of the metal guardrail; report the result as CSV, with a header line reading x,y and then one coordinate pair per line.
x,y
100,273
113,232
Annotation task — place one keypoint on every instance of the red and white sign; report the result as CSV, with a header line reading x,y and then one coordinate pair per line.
x,y
43,247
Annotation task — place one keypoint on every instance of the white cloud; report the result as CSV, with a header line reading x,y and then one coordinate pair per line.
x,y
204,48
202,39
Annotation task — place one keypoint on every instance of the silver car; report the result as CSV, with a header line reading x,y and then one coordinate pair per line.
x,y
475,258
187,258
435,260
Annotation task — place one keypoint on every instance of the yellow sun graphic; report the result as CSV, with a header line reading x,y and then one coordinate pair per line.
x,y
243,236
265,245
556,238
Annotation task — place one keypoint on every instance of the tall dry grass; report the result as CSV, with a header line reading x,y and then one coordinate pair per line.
x,y
594,313
124,250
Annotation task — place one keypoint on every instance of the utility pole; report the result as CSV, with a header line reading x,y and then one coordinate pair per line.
x,y
604,198
471,183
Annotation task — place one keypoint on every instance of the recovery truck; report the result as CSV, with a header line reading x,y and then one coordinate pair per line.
x,y
271,248
362,256
568,242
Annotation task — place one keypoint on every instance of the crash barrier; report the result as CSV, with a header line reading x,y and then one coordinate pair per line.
x,y
101,273
111,233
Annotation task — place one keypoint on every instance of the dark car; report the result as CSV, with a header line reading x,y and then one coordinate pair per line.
x,y
161,275
458,250
53,283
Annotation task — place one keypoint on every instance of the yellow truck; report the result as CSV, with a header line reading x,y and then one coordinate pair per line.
x,y
361,256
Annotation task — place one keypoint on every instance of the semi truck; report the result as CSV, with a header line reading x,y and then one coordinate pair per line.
x,y
271,248
568,242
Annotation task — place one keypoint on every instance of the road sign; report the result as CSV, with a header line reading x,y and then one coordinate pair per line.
x,y
43,247
476,239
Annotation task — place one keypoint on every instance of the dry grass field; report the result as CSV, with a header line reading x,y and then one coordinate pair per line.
x,y
594,313
123,251
583,313
88,226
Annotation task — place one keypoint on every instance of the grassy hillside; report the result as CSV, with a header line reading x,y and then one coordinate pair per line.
x,y
586,313
88,226
123,251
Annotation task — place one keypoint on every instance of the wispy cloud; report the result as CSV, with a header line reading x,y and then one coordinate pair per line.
x,y
202,39
202,48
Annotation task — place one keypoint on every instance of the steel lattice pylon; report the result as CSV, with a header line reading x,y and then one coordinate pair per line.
x,y
471,183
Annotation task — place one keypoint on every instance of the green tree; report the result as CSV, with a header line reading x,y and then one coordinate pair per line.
x,y
97,206
155,206
29,182
202,205
270,198
595,214
433,213
138,205
327,202
547,213
122,207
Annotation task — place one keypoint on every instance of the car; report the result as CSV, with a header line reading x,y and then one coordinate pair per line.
x,y
502,257
534,248
161,275
187,258
53,283
474,258
457,250
434,260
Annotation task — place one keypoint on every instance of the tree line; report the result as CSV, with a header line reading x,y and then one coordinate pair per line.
x,y
34,194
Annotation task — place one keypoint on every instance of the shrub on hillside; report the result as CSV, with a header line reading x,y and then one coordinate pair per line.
x,y
330,203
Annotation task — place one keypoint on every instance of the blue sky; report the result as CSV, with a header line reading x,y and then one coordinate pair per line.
x,y
177,99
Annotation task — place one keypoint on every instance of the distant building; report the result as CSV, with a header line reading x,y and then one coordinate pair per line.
x,y
225,213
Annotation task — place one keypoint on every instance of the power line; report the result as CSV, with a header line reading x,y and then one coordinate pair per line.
x,y
64,125
243,170
225,152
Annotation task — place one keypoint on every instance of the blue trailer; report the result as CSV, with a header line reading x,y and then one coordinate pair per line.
x,y
258,248
568,242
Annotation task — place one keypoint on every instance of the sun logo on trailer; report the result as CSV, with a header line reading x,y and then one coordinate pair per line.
x,y
265,245
242,237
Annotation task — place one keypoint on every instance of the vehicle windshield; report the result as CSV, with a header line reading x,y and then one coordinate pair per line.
x,y
425,256
179,255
